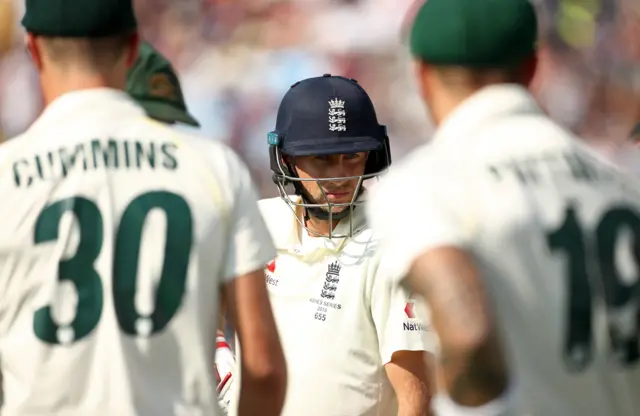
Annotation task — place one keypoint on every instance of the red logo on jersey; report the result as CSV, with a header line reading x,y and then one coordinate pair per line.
x,y
271,266
408,309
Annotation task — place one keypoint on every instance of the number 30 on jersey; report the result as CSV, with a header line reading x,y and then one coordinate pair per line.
x,y
592,269
80,269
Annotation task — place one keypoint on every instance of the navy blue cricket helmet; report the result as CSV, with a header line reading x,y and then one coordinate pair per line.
x,y
322,116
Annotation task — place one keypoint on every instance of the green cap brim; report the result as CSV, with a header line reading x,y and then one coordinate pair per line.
x,y
166,112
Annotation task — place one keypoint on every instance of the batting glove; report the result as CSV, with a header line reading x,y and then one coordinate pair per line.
x,y
224,364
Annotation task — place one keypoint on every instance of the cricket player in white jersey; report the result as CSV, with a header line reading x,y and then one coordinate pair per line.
x,y
154,85
118,236
524,243
352,340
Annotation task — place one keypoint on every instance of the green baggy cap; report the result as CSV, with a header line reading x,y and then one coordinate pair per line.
x,y
79,18
153,83
474,33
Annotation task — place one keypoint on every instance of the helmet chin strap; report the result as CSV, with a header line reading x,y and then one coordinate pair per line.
x,y
323,215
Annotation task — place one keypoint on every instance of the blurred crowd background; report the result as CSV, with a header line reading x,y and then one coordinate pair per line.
x,y
237,58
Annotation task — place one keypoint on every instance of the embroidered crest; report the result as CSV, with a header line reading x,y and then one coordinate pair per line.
x,y
337,115
161,86
332,277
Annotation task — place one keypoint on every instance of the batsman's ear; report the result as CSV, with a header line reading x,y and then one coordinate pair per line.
x,y
529,69
132,53
34,48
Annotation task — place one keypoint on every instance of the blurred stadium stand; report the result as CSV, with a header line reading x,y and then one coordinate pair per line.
x,y
236,59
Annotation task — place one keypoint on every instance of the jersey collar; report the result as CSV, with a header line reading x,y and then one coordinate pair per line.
x,y
73,104
489,103
314,248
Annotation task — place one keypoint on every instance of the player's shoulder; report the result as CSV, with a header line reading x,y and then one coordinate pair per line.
x,y
279,218
11,145
519,135
273,207
207,147
14,148
410,177
420,161
223,161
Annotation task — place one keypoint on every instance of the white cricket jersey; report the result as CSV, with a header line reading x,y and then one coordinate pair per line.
x,y
339,321
552,228
117,234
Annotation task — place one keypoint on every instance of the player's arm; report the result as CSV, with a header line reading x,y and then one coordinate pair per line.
x,y
427,244
408,372
405,344
262,364
470,364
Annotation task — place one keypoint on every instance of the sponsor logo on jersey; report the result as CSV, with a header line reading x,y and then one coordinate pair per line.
x,y
268,276
408,309
271,280
412,323
414,326
410,306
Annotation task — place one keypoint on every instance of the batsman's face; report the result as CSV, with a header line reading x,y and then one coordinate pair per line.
x,y
328,171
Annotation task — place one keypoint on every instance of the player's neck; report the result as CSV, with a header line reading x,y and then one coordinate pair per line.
x,y
442,104
60,84
319,226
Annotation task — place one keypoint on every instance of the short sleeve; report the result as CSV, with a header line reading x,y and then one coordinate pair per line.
x,y
250,245
412,216
400,319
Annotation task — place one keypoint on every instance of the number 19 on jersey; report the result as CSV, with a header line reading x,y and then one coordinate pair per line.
x,y
592,270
